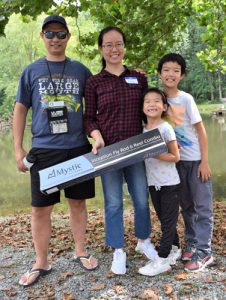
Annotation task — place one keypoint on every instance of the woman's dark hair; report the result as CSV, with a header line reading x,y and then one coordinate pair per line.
x,y
157,91
101,36
174,57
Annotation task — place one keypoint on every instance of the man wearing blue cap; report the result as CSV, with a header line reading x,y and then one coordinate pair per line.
x,y
53,87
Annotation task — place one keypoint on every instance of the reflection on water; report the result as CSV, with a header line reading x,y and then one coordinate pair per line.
x,y
216,130
15,187
221,120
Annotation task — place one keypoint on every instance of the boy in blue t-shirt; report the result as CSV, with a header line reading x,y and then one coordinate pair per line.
x,y
193,168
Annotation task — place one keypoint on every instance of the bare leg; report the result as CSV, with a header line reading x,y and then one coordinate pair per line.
x,y
78,219
41,233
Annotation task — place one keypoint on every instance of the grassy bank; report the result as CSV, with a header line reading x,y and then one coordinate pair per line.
x,y
207,108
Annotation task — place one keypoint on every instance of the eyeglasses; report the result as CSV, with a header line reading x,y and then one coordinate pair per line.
x,y
59,34
109,47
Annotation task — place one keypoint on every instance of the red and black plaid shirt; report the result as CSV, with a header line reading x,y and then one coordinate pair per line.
x,y
114,106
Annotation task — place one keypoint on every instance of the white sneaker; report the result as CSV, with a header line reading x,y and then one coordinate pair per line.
x,y
146,248
174,255
158,266
119,262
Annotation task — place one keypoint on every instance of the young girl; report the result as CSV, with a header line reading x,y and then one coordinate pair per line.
x,y
163,182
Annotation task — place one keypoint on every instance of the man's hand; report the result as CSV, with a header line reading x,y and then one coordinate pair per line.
x,y
20,154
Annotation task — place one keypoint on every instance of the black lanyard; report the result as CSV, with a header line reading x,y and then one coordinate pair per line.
x,y
55,88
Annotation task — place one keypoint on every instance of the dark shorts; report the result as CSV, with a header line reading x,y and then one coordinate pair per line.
x,y
49,157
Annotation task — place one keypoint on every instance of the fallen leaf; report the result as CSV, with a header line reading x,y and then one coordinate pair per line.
x,y
14,273
209,279
92,277
2,277
168,289
50,293
148,294
11,293
181,276
67,274
109,274
63,276
98,287
68,296
119,289
173,296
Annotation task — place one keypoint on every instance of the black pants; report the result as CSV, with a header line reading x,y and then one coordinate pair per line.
x,y
166,204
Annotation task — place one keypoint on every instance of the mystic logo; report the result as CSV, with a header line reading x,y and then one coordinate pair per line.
x,y
65,171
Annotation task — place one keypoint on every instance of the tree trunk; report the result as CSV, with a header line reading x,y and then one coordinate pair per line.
x,y
219,85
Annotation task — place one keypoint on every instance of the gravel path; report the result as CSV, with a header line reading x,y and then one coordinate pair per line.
x,y
69,281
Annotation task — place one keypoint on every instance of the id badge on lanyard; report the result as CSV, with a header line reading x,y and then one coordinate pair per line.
x,y
58,119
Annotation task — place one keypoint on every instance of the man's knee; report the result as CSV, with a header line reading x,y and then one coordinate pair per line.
x,y
41,212
77,205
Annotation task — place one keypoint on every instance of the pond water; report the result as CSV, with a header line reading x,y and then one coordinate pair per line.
x,y
15,187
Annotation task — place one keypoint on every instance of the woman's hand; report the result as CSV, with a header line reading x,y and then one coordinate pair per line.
x,y
139,70
98,140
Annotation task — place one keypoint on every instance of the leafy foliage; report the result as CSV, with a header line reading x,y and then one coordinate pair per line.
x,y
196,29
22,45
151,27
211,15
24,7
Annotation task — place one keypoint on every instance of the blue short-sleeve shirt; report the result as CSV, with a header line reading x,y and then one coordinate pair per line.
x,y
37,88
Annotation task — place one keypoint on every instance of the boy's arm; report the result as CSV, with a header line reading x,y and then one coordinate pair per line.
x,y
204,170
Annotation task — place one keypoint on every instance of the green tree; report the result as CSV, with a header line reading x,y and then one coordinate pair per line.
x,y
17,50
197,81
150,26
23,7
22,45
211,15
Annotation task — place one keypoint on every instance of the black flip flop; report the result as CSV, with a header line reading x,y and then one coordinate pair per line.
x,y
79,259
41,272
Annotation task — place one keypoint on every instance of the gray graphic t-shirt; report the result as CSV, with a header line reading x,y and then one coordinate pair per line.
x,y
37,89
183,114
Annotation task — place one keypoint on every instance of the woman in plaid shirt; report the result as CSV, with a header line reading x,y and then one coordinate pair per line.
x,y
113,106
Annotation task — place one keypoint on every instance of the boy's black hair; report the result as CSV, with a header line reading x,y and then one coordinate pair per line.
x,y
163,96
174,57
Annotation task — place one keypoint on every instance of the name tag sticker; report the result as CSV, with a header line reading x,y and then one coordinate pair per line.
x,y
131,80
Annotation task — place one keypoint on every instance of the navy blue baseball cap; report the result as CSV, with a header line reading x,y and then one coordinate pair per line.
x,y
54,19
